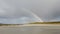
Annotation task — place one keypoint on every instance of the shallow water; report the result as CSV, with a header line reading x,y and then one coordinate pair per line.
x,y
29,30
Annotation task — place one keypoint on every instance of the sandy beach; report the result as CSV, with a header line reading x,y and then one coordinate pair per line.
x,y
31,29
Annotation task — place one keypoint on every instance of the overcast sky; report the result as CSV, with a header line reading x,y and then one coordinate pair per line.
x,y
23,11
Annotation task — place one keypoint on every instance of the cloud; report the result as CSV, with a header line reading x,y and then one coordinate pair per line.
x,y
47,10
21,20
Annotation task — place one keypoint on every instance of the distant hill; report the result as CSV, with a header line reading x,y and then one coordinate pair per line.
x,y
9,24
57,22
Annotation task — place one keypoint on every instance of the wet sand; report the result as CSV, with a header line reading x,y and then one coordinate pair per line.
x,y
30,29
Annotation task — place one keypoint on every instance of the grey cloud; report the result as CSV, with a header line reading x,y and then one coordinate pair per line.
x,y
46,9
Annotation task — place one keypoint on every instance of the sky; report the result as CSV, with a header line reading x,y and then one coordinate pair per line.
x,y
24,11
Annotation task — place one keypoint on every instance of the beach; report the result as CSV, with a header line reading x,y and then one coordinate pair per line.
x,y
31,29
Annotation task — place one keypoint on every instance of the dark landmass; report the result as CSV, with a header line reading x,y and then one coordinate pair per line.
x,y
58,22
9,24
45,22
